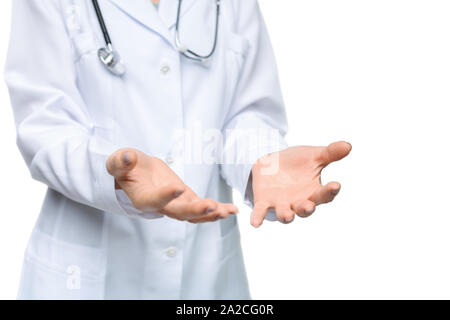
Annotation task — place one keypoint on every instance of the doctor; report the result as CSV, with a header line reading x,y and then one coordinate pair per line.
x,y
129,213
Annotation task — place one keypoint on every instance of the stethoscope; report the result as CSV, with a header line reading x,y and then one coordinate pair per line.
x,y
111,59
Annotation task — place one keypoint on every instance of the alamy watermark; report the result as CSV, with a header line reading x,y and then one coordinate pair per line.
x,y
207,146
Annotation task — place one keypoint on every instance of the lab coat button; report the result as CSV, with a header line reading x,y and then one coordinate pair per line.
x,y
171,252
165,69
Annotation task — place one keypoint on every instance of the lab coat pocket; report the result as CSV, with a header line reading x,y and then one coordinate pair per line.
x,y
238,46
54,269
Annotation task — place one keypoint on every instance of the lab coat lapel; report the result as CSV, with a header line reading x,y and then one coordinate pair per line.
x,y
144,12
168,10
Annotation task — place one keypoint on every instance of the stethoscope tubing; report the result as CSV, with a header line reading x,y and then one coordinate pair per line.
x,y
111,59
189,53
102,23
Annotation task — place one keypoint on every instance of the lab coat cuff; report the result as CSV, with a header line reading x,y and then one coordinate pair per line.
x,y
104,182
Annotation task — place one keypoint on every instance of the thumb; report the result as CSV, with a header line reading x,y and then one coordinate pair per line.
x,y
336,151
121,162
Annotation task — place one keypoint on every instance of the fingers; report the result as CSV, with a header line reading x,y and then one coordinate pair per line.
x,y
200,207
121,162
228,209
205,219
258,214
284,213
188,210
304,208
335,152
223,211
325,194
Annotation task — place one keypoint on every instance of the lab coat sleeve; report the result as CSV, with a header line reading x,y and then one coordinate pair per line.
x,y
257,104
55,135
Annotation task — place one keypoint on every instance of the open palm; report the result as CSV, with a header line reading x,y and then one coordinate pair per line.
x,y
290,181
153,187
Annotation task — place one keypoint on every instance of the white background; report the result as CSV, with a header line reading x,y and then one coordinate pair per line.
x,y
375,73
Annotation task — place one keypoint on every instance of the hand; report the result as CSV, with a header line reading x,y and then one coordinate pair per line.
x,y
295,187
153,187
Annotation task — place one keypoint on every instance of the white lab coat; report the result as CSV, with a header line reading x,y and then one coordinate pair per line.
x,y
71,114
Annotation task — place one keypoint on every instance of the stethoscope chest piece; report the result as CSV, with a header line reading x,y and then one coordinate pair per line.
x,y
111,60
